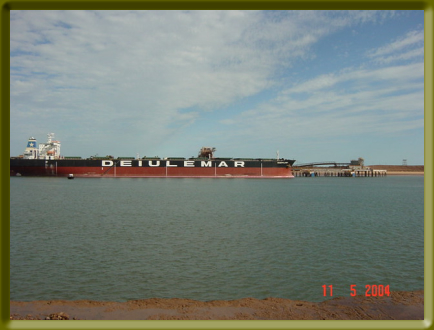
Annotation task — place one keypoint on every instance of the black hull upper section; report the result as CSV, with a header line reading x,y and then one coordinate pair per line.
x,y
18,162
152,167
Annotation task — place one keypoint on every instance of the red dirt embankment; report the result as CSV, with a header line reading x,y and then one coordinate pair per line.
x,y
400,169
401,305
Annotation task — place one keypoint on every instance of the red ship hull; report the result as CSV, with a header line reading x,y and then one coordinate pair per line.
x,y
158,172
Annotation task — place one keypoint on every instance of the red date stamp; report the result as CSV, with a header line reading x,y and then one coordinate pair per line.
x,y
371,290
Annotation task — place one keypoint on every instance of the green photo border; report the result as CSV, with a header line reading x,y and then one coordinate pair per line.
x,y
6,6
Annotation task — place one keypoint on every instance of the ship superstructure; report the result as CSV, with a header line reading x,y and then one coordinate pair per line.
x,y
48,150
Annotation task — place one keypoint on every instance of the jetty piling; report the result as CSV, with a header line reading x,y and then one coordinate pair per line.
x,y
338,173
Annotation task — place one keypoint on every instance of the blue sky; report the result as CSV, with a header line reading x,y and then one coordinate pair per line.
x,y
315,85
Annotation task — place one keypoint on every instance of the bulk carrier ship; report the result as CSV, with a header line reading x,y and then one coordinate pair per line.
x,y
45,160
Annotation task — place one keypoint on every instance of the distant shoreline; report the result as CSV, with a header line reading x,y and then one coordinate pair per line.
x,y
391,169
400,169
404,173
400,305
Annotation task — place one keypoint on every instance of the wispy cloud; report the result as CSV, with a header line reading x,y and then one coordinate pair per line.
x,y
410,46
139,78
345,104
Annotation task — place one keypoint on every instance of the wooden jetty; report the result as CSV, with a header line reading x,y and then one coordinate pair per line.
x,y
355,168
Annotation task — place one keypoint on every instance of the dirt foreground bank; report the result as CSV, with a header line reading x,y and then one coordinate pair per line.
x,y
401,305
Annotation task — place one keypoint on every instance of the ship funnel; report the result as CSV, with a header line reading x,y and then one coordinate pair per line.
x,y
31,151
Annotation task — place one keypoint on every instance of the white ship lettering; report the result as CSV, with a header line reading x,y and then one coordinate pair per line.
x,y
157,163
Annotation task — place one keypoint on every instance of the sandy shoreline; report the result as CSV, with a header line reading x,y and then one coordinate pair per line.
x,y
405,173
400,169
401,305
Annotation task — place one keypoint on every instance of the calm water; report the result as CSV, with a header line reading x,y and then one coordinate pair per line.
x,y
208,239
